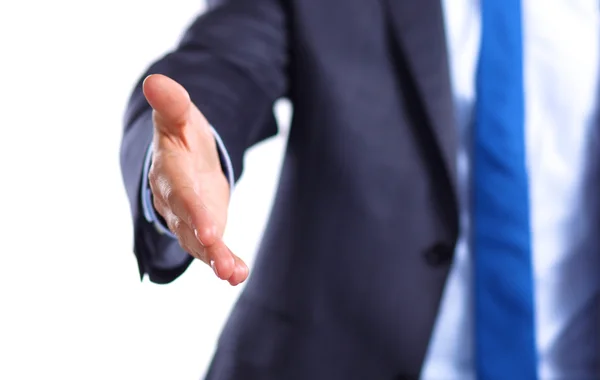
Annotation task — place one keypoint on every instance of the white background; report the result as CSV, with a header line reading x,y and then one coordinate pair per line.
x,y
71,303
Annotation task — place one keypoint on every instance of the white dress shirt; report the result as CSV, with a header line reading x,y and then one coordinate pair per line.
x,y
561,65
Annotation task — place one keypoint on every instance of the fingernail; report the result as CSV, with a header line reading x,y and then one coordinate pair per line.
x,y
214,267
198,237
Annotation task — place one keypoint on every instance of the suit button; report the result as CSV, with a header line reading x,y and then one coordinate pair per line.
x,y
440,254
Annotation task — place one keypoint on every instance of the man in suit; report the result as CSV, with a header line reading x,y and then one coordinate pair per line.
x,y
438,207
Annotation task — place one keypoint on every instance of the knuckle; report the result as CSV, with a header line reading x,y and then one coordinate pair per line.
x,y
174,224
159,185
169,195
177,226
158,205
152,173
152,178
155,173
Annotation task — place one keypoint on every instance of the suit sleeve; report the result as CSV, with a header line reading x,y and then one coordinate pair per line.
x,y
233,62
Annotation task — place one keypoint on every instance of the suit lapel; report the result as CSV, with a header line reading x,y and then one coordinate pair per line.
x,y
418,31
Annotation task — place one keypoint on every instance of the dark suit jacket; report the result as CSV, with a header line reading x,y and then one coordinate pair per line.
x,y
350,272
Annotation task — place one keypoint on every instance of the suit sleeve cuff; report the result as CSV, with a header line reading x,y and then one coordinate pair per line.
x,y
150,213
225,161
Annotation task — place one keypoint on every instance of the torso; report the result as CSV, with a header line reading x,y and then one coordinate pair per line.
x,y
561,42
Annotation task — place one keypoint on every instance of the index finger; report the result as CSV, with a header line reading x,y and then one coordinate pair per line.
x,y
188,206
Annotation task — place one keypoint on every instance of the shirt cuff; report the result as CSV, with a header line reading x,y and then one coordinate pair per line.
x,y
150,213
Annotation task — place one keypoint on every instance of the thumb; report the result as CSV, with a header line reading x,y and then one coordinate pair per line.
x,y
170,101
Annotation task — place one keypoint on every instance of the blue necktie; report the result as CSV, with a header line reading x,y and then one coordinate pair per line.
x,y
504,309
